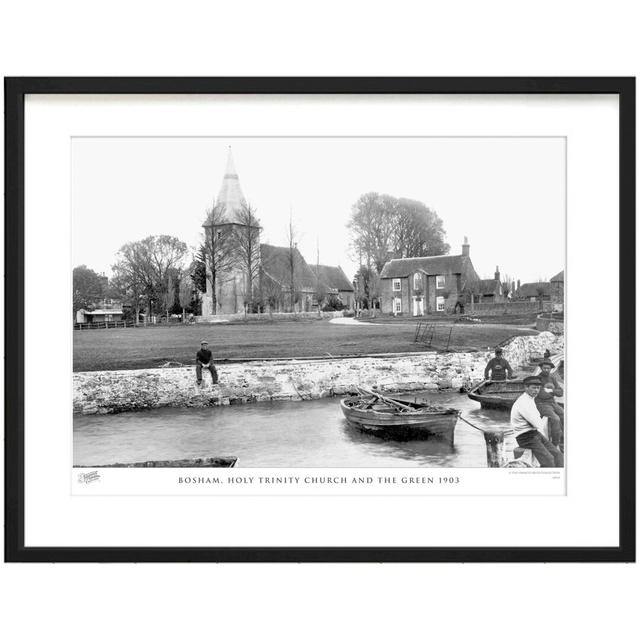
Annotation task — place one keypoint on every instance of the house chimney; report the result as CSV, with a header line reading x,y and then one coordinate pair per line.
x,y
465,247
496,275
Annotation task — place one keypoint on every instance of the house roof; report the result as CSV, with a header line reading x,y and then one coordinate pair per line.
x,y
275,261
332,277
432,265
559,277
488,287
100,312
533,289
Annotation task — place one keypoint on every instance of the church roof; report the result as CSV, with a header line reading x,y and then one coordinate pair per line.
x,y
332,277
275,261
230,194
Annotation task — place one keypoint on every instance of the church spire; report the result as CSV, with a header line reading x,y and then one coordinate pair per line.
x,y
230,194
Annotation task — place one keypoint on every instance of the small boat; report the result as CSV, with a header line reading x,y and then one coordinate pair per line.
x,y
398,419
497,394
224,461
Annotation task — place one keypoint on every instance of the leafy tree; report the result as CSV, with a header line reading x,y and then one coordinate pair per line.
x,y
143,267
384,227
417,231
198,271
88,287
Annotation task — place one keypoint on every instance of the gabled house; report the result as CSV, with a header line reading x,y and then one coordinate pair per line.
x,y
426,285
335,283
489,290
534,291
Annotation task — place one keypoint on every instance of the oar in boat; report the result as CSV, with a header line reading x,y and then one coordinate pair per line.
x,y
393,403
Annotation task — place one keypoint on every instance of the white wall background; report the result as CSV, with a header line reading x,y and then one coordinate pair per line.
x,y
328,38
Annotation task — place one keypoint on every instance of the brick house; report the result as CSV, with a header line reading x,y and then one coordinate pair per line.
x,y
434,284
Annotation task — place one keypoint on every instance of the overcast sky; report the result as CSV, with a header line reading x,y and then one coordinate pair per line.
x,y
506,194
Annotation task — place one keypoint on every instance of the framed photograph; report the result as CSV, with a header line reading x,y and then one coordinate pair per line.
x,y
320,319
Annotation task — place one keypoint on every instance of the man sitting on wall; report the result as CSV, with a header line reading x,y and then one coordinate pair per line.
x,y
498,368
204,358
547,405
529,426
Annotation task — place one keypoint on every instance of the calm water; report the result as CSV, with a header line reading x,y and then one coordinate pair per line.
x,y
274,434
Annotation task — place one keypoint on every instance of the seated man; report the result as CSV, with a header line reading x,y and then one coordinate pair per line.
x,y
204,358
547,405
498,367
529,426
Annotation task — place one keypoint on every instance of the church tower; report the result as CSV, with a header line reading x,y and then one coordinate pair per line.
x,y
230,195
227,235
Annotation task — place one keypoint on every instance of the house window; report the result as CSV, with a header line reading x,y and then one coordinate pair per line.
x,y
397,305
439,282
396,284
417,281
439,303
108,317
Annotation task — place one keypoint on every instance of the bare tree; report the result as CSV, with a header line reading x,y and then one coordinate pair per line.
x,y
169,296
185,292
292,241
217,249
248,250
270,291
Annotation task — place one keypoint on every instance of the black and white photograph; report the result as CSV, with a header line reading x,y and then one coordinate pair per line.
x,y
318,303
298,325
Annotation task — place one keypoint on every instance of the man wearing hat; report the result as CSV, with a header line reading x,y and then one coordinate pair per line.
x,y
547,405
498,368
529,426
204,358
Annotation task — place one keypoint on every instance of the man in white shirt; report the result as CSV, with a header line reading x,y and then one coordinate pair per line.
x,y
528,426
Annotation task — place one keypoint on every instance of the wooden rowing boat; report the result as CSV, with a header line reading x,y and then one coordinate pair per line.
x,y
226,461
497,394
501,394
399,419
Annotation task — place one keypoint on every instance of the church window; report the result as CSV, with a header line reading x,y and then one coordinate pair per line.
x,y
417,281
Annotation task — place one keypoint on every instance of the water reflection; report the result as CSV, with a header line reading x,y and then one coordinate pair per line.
x,y
278,434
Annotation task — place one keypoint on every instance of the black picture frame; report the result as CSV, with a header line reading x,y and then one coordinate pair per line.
x,y
15,91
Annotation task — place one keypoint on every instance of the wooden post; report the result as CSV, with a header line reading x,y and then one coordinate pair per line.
x,y
494,440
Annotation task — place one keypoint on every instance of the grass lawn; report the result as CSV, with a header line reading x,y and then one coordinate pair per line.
x,y
107,349
523,320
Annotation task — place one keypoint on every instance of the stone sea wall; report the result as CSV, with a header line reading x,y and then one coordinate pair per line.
x,y
549,324
257,381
